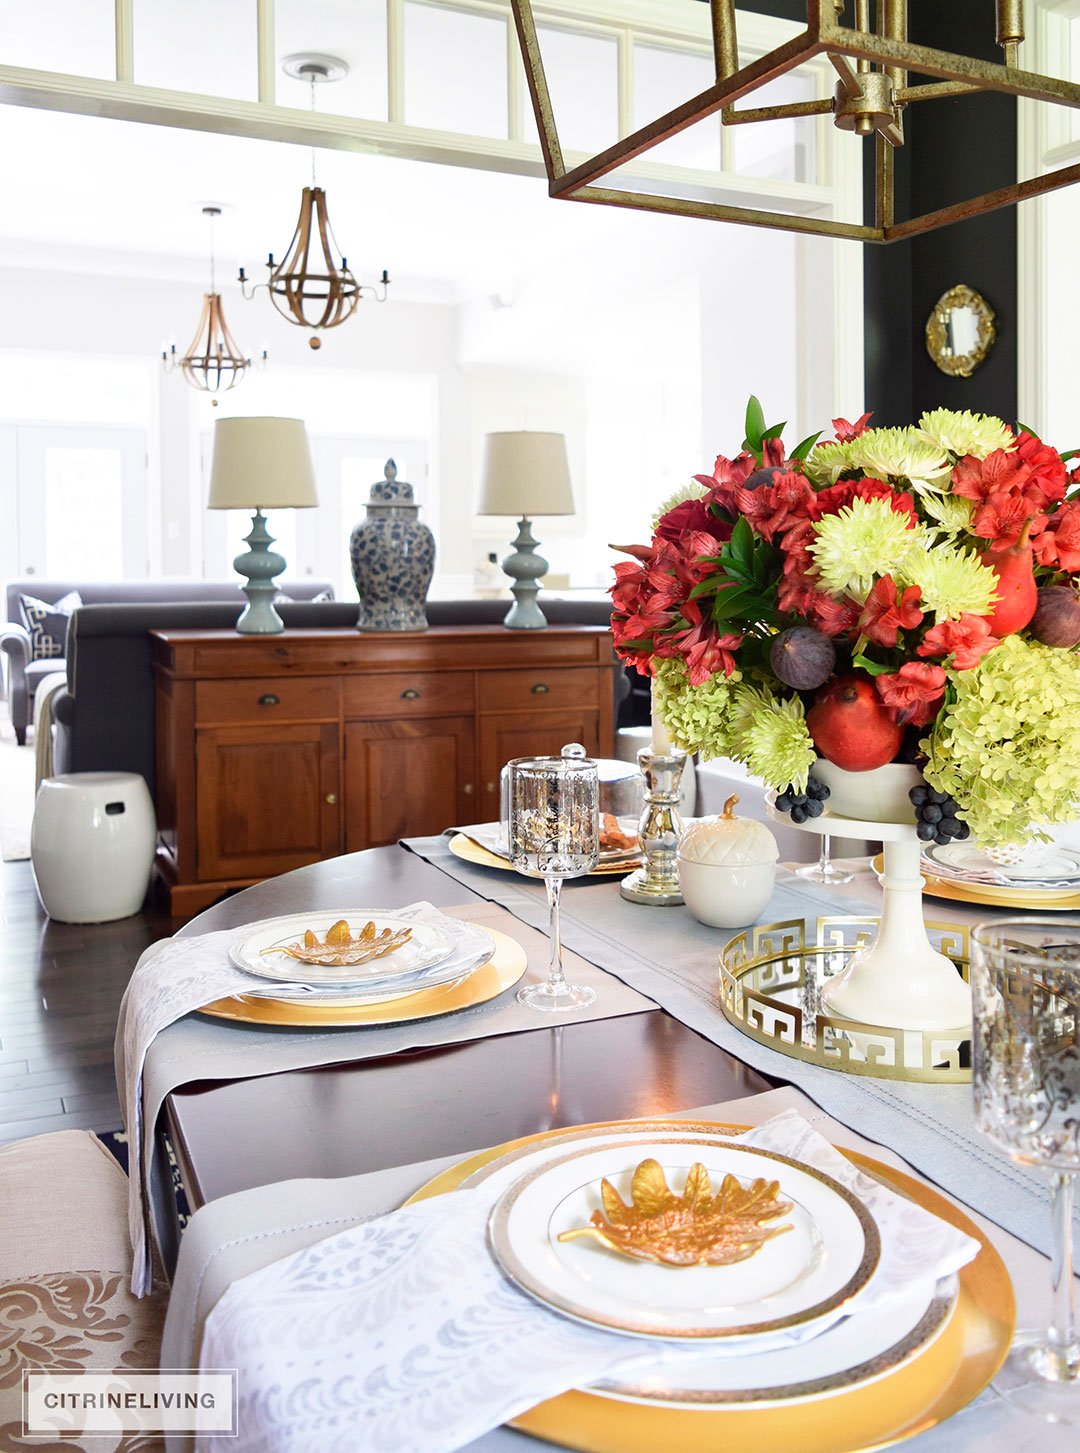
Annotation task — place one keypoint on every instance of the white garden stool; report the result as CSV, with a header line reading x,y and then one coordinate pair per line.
x,y
92,845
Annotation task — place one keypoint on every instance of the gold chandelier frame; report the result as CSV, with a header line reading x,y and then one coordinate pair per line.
x,y
872,93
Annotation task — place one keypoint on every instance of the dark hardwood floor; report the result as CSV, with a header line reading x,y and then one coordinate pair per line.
x,y
60,989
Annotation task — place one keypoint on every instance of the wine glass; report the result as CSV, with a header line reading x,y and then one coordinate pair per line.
x,y
1025,976
554,831
824,870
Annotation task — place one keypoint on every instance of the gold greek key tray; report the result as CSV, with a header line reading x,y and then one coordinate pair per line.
x,y
918,1395
771,977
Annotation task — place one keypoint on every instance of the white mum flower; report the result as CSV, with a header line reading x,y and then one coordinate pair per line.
x,y
898,454
966,433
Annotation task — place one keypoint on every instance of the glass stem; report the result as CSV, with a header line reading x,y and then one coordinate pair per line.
x,y
1063,1326
555,969
826,849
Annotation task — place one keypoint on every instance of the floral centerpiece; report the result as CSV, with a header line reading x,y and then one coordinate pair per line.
x,y
886,595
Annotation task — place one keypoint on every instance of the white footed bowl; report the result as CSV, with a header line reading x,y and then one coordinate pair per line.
x,y
726,896
877,796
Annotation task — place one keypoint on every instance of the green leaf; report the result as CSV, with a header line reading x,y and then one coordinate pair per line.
x,y
1069,454
775,432
731,602
755,424
741,545
802,450
703,587
873,668
1024,429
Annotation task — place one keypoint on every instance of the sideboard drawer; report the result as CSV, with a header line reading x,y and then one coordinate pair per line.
x,y
412,693
269,699
539,688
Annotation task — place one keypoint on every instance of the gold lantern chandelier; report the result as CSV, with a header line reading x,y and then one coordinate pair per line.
x,y
213,362
872,59
312,285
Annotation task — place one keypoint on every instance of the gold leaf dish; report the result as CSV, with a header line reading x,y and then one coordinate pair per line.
x,y
339,949
697,1228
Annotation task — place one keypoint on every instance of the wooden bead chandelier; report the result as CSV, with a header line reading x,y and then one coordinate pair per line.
x,y
213,362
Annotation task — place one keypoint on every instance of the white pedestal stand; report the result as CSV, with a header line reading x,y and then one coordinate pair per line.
x,y
900,980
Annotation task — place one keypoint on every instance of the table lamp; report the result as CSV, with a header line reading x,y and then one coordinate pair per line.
x,y
525,474
261,464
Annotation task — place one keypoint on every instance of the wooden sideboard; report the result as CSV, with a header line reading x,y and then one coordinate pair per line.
x,y
278,751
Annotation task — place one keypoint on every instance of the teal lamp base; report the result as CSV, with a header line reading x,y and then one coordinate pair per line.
x,y
525,567
260,565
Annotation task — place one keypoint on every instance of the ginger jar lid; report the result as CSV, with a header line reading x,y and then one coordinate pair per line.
x,y
728,840
390,490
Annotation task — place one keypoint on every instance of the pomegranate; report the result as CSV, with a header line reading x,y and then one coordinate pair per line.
x,y
851,725
1018,595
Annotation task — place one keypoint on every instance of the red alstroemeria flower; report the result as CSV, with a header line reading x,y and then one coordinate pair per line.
x,y
998,473
832,617
914,693
774,508
1002,516
967,640
1047,470
692,514
845,432
704,652
885,614
1060,544
838,496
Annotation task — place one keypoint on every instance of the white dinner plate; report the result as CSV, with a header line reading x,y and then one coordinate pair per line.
x,y
964,860
807,1276
429,947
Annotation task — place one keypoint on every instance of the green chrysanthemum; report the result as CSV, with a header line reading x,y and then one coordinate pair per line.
x,y
825,464
746,701
697,717
862,541
1004,743
966,433
951,580
898,454
693,490
951,511
778,746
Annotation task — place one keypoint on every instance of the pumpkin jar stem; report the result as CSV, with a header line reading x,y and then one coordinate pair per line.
x,y
728,813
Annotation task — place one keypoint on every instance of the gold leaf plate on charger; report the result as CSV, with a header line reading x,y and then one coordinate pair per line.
x,y
995,895
952,1370
471,852
500,973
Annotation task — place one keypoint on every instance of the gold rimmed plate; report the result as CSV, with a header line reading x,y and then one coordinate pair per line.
x,y
996,895
937,1370
804,1277
501,972
472,852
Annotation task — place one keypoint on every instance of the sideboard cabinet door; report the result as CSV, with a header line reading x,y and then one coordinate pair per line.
x,y
506,735
267,799
407,778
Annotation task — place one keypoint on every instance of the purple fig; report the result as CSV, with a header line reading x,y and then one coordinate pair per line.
x,y
803,658
1056,621
765,475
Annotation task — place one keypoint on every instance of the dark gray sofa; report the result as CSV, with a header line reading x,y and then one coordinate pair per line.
x,y
104,721
23,674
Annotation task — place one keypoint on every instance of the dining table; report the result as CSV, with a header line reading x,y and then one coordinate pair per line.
x,y
657,1046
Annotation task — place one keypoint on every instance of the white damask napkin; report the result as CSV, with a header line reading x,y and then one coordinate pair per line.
x,y
177,975
401,1335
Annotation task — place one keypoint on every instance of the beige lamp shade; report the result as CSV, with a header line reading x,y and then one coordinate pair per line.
x,y
525,474
261,464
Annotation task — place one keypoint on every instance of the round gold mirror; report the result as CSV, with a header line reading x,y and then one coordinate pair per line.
x,y
960,331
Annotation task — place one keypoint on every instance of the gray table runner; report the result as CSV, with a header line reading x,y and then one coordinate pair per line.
x,y
238,1234
197,1048
667,954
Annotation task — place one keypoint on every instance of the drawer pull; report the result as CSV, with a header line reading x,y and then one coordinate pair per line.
x,y
540,689
491,787
410,694
331,799
269,699
468,789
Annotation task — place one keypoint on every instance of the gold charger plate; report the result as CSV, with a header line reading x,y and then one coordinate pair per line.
x,y
471,852
933,1386
500,973
992,895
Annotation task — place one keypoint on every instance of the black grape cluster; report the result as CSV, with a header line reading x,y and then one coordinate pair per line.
x,y
802,805
935,816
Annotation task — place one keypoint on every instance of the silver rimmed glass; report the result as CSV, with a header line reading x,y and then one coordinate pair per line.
x,y
824,870
1025,977
554,829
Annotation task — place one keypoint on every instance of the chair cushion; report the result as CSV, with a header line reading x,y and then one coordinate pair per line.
x,y
48,624
65,1265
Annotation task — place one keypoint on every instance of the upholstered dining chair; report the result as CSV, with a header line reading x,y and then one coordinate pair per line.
x,y
65,1269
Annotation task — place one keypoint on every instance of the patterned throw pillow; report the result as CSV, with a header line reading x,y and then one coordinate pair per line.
x,y
48,624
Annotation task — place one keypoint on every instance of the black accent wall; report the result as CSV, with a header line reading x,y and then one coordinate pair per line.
x,y
955,149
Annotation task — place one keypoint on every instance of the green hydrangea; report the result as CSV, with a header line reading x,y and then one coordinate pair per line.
x,y
697,717
1004,744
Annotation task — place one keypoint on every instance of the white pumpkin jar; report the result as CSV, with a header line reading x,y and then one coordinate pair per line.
x,y
727,868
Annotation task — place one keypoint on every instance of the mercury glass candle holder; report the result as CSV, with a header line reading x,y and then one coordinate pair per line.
x,y
657,880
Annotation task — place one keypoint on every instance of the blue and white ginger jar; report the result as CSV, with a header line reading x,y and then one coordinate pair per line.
x,y
393,558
